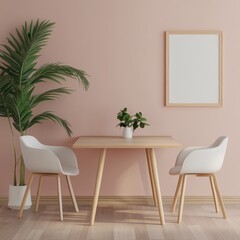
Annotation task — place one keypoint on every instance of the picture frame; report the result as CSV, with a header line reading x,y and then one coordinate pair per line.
x,y
193,68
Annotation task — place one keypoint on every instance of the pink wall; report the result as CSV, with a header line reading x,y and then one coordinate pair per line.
x,y
121,45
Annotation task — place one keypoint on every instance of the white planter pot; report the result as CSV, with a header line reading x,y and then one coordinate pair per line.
x,y
15,197
127,132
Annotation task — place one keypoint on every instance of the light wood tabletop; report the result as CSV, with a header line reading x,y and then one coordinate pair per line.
x,y
149,143
120,142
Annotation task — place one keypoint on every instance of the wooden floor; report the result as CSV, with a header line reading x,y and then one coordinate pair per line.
x,y
119,220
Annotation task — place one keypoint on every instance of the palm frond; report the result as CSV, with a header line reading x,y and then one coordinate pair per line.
x,y
6,91
20,56
48,95
24,104
6,84
47,115
20,108
57,72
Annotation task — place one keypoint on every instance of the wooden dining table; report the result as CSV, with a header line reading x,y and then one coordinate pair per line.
x,y
149,143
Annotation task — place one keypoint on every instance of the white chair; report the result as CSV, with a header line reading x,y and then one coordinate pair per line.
x,y
44,160
201,162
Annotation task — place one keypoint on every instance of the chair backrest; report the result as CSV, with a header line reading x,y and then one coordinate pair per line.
x,y
37,157
206,160
221,141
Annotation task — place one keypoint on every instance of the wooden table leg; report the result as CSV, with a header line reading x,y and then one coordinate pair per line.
x,y
98,183
157,186
151,176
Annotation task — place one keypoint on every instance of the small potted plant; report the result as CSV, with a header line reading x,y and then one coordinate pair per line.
x,y
130,122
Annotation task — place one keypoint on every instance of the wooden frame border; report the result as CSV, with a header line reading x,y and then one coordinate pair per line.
x,y
220,95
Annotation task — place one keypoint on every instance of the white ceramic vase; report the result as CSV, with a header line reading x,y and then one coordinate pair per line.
x,y
127,132
15,197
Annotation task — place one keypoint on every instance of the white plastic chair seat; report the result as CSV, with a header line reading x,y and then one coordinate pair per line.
x,y
69,170
47,160
199,161
67,159
40,158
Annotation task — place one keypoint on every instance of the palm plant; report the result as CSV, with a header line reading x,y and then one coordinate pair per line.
x,y
20,76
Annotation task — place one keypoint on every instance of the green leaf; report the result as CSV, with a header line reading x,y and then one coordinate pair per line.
x,y
50,116
57,72
137,115
122,124
135,126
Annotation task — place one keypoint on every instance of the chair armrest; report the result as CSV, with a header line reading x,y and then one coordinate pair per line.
x,y
184,153
205,160
65,155
41,161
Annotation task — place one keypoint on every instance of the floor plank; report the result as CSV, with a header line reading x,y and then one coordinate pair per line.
x,y
120,220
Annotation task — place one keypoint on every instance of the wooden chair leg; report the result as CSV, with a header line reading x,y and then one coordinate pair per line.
x,y
38,193
60,197
69,183
175,198
219,196
25,196
184,180
214,194
151,177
